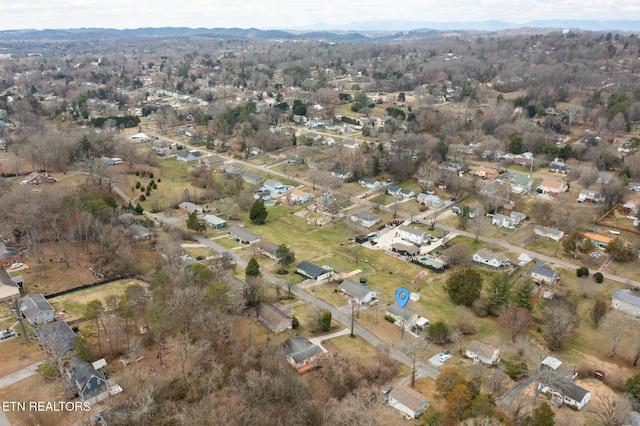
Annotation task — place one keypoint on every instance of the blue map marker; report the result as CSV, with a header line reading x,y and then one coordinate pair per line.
x,y
402,297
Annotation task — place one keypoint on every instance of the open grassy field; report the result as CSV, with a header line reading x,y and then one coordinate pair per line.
x,y
16,354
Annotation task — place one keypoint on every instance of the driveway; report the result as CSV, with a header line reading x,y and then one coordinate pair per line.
x,y
19,375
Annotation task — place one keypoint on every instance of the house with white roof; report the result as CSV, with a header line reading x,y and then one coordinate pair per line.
x,y
591,196
480,352
560,385
417,236
547,232
365,219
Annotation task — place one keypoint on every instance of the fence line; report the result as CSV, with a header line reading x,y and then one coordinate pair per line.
x,y
95,284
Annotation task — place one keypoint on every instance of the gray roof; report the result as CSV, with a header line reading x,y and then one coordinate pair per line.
x,y
481,349
270,314
32,304
300,348
354,289
543,270
56,336
243,234
627,296
418,232
487,254
311,270
139,231
396,310
408,397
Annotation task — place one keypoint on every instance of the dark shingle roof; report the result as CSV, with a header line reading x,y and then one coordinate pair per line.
x,y
300,348
311,270
56,336
33,304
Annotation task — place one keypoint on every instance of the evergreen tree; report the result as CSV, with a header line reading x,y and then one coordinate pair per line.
x,y
464,286
252,269
258,213
523,294
285,256
543,416
498,294
194,223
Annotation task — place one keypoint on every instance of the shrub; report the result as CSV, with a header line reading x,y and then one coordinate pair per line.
x,y
390,318
326,320
142,198
137,184
159,180
438,332
151,175
295,323
518,371
598,277
582,272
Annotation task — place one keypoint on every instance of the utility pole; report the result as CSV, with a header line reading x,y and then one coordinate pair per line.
x,y
353,307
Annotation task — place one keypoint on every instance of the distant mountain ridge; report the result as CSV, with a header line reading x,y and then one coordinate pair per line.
x,y
357,32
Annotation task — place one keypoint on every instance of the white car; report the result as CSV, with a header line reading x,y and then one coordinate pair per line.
x,y
16,265
444,356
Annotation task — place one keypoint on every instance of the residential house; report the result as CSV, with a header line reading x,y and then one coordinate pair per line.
x,y
634,186
521,184
10,253
139,137
141,233
325,204
393,190
211,161
430,200
9,287
264,195
295,160
369,183
547,232
484,172
301,353
36,309
189,207
405,249
359,293
275,187
597,239
342,174
417,236
85,380
560,385
56,337
351,145
255,151
604,178
162,148
300,196
268,249
552,187
502,221
188,156
403,317
365,219
627,301
408,401
313,271
590,195
36,178
559,167
243,236
214,222
489,258
542,274
406,193
479,352
252,178
231,169
273,317
631,207
111,161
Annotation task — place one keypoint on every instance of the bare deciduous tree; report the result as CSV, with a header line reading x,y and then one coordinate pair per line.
x,y
614,329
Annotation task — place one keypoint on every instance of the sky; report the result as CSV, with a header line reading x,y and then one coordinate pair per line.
x,y
264,14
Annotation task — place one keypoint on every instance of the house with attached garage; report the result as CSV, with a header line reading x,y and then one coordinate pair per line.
x,y
547,232
243,236
479,352
489,258
275,187
313,271
626,300
417,236
301,353
408,401
393,190
406,193
484,172
557,381
521,184
359,293
36,309
552,187
342,174
502,221
430,200
542,274
558,167
188,156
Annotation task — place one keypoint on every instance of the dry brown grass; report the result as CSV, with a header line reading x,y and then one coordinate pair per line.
x,y
15,354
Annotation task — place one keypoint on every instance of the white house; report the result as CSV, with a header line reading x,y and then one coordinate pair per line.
x,y
275,187
359,293
416,236
502,221
188,156
489,258
369,183
406,193
403,317
590,195
551,233
365,219
542,274
627,301
560,385
408,401
313,271
479,352
300,196
552,187
36,309
430,200
521,184
342,174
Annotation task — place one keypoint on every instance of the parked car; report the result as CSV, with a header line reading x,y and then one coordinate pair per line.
x,y
16,265
200,258
444,356
599,374
5,334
